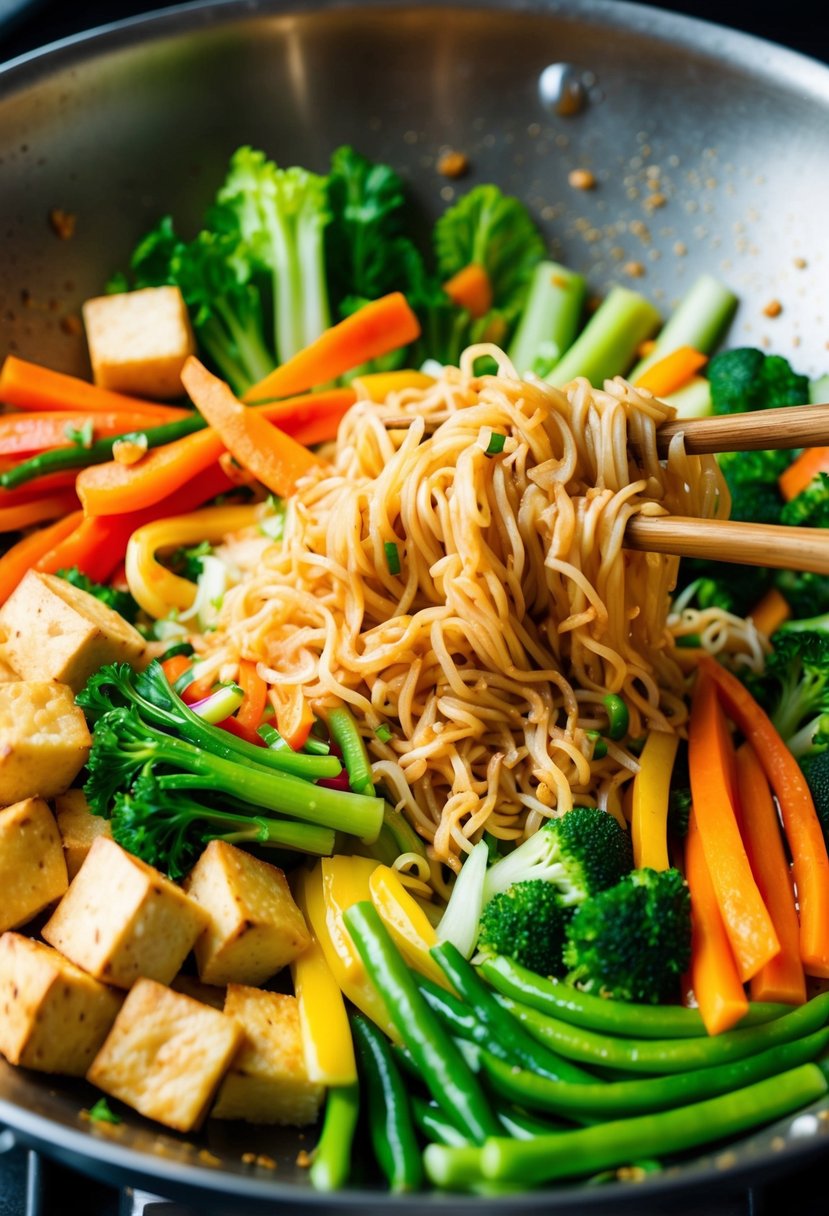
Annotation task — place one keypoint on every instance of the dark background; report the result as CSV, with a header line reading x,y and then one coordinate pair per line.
x,y
794,23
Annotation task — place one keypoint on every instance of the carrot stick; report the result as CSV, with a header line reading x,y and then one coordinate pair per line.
x,y
796,477
111,488
713,786
16,561
294,717
176,666
251,710
669,374
713,972
810,862
782,978
98,543
37,511
25,434
28,386
273,457
771,611
31,491
376,329
471,289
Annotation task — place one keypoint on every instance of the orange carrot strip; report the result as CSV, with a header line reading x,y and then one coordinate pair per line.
x,y
804,469
294,717
37,511
98,543
175,667
471,289
668,374
782,978
28,433
255,689
713,784
28,386
16,561
713,972
375,329
273,457
111,488
40,487
810,861
771,611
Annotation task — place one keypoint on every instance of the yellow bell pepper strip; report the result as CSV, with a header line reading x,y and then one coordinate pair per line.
x,y
377,386
649,810
407,923
157,589
326,1036
324,916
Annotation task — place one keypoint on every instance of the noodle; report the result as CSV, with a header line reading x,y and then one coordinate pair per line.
x,y
516,608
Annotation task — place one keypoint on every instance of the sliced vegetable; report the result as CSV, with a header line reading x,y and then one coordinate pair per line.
x,y
471,289
255,689
550,319
30,551
411,931
672,371
346,734
37,511
651,790
331,1165
797,476
772,610
390,1123
326,1038
28,386
607,344
699,320
23,434
294,716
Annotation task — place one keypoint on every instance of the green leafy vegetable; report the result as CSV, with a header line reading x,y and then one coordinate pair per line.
x,y
120,601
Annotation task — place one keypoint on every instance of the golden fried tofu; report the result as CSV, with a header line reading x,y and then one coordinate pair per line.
x,y
44,740
78,828
166,1055
138,341
267,1081
53,1016
255,927
122,919
32,868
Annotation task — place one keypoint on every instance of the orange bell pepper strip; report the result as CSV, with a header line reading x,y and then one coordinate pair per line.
x,y
810,861
471,289
802,471
176,666
375,329
713,789
713,974
782,978
27,552
27,434
28,386
111,488
15,518
770,612
252,709
671,373
294,716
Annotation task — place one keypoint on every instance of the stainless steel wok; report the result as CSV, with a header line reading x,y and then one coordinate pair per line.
x,y
710,151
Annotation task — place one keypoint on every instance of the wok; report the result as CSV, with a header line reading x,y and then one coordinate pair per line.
x,y
127,123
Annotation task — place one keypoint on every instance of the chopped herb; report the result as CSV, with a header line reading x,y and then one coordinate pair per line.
x,y
188,562
82,437
383,732
392,556
101,1113
690,640
496,444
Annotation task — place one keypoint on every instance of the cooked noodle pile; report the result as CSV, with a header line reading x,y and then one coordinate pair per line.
x,y
515,609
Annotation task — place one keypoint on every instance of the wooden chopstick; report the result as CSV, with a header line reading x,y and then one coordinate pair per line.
x,y
727,540
792,426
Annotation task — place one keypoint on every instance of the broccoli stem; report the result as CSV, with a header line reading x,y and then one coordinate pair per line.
x,y
281,833
607,345
460,922
550,320
700,320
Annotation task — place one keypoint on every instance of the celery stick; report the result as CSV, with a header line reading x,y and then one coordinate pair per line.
x,y
550,320
699,321
693,400
607,344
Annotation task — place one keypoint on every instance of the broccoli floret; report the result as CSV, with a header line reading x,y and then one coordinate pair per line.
x,y
583,852
527,922
633,941
806,593
794,689
809,508
747,379
120,601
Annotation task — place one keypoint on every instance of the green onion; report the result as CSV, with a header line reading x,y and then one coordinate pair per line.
x,y
316,747
101,1113
383,732
220,704
496,444
346,734
392,556
272,737
81,437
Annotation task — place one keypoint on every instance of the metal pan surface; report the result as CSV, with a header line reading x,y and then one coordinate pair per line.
x,y
710,152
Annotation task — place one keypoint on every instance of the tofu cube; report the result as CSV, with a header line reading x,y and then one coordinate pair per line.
x,y
54,631
166,1055
122,919
32,869
255,927
267,1081
138,341
53,1016
78,828
44,740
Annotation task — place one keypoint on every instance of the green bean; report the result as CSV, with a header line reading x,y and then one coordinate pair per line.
x,y
331,1165
620,1099
97,453
346,734
389,1116
670,1055
570,1004
587,1150
522,1047
432,1123
451,1083
524,1126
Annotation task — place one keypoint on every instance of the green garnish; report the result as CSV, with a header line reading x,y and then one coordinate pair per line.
x,y
101,1113
383,732
496,444
81,437
392,556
